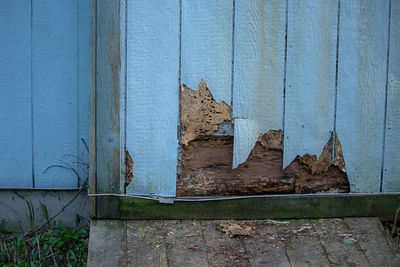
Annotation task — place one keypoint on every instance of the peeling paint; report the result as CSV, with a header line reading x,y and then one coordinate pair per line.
x,y
200,113
129,167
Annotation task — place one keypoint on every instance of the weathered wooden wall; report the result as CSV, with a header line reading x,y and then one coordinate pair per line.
x,y
313,69
44,55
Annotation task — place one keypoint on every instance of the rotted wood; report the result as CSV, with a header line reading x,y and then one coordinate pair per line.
x,y
207,169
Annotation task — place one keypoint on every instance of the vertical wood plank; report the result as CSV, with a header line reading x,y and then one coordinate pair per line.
x,y
107,245
15,94
83,83
107,106
246,135
362,67
54,89
153,95
92,108
391,171
259,57
207,46
259,62
310,80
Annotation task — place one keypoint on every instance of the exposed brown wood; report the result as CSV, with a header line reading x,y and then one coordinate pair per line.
x,y
207,170
339,159
200,113
129,167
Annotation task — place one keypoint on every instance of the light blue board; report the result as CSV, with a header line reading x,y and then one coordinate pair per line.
x,y
361,90
259,62
15,94
83,83
310,79
259,56
153,95
246,135
207,46
391,172
54,89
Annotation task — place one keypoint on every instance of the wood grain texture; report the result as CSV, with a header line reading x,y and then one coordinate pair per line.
x,y
370,236
153,95
331,234
207,46
108,243
246,135
391,170
207,170
361,90
259,62
107,99
310,80
304,249
54,90
258,72
15,94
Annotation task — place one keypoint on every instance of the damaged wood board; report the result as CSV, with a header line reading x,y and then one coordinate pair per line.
x,y
152,111
257,100
206,170
206,40
259,50
247,163
246,134
200,113
310,77
363,49
266,243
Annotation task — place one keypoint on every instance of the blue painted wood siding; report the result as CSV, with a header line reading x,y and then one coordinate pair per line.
x,y
44,84
310,68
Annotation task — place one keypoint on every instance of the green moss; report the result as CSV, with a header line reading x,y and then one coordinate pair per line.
x,y
284,207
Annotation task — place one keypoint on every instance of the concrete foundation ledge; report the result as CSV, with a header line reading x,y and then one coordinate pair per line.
x,y
14,211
